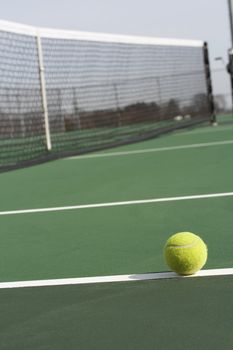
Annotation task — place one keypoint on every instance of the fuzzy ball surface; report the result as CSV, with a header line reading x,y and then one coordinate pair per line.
x,y
185,253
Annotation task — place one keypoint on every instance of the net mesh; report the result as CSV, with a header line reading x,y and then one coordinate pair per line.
x,y
99,94
22,136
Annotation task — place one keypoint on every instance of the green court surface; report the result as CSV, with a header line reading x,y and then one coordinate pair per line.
x,y
178,314
183,182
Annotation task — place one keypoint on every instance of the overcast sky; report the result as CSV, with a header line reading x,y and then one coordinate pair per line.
x,y
188,19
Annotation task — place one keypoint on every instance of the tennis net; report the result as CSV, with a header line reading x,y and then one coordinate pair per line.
x,y
64,93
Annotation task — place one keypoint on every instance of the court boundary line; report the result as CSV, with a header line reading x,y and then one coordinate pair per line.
x,y
115,204
113,279
150,150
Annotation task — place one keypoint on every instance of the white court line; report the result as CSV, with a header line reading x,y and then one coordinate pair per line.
x,y
114,204
149,150
112,279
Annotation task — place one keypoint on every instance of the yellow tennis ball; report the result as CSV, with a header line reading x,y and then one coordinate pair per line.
x,y
185,253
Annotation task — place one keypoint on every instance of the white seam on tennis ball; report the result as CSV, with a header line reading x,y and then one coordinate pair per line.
x,y
184,245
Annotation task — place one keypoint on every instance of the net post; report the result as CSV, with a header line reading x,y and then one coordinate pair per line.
x,y
230,51
230,71
43,91
230,9
210,95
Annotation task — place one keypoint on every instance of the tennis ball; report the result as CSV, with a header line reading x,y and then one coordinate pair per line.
x,y
185,253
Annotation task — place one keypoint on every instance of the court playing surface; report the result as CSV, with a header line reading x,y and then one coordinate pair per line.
x,y
68,225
